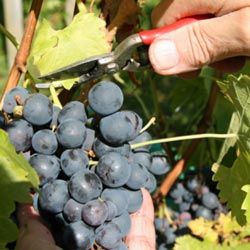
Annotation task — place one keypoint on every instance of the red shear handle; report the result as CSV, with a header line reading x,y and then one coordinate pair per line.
x,y
148,36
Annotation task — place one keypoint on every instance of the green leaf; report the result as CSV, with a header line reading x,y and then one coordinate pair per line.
x,y
229,142
190,243
8,231
17,177
246,203
232,179
237,91
230,183
52,49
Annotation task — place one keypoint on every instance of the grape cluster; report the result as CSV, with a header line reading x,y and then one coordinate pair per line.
x,y
90,177
190,198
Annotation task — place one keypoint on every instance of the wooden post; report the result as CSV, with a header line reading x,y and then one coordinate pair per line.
x,y
13,21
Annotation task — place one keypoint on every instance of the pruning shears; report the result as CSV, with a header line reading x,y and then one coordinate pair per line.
x,y
122,58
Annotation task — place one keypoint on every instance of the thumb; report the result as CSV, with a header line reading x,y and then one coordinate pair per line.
x,y
202,43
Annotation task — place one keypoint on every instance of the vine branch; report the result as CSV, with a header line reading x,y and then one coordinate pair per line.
x,y
19,65
202,127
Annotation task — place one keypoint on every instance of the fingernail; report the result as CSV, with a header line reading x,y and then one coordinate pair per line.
x,y
164,54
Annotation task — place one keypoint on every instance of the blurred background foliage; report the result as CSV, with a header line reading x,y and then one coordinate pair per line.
x,y
178,104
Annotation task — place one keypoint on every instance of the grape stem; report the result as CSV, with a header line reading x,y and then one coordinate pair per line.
x,y
182,138
91,163
150,122
54,95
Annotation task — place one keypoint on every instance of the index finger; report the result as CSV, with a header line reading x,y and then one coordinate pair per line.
x,y
169,11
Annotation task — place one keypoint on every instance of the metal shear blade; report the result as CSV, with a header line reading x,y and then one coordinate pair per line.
x,y
93,68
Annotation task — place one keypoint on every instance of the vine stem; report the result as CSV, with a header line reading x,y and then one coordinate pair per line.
x,y
22,54
183,138
93,163
148,125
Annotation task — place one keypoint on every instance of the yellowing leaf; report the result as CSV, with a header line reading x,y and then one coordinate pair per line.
x,y
16,179
203,228
52,49
190,243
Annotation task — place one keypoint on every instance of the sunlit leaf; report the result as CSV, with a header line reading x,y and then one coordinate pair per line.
x,y
52,49
17,177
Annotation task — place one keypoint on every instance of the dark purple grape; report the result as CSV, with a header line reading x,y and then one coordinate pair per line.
x,y
177,191
139,176
73,110
118,197
160,164
161,224
193,184
142,157
78,236
73,160
184,206
121,246
84,186
105,98
151,183
14,97
44,142
71,133
210,200
53,196
170,236
108,235
143,137
120,128
112,210
72,211
89,140
204,212
123,222
135,199
113,169
100,148
47,167
95,212
20,133
38,109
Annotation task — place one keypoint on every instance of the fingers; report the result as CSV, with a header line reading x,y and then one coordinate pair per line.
x,y
142,233
33,234
198,44
169,11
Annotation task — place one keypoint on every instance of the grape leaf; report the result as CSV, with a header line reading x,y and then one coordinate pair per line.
x,y
246,203
190,243
230,182
229,142
232,179
203,228
16,179
52,49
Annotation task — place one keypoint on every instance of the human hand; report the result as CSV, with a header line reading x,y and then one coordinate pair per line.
x,y
221,42
35,235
